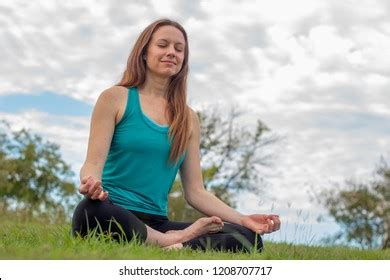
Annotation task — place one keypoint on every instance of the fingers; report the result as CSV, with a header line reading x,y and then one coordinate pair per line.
x,y
268,227
95,189
99,194
271,225
84,180
103,196
83,189
87,186
276,222
215,228
92,188
273,220
216,225
263,228
217,220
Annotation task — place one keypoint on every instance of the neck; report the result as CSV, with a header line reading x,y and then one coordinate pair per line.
x,y
154,86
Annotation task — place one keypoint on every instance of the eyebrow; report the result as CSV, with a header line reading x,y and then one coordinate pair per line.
x,y
177,43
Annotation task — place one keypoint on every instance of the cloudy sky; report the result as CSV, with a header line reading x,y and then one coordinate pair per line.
x,y
316,72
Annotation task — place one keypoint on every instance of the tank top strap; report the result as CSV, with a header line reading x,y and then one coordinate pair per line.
x,y
133,100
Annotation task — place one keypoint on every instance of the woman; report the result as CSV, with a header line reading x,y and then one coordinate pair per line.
x,y
142,133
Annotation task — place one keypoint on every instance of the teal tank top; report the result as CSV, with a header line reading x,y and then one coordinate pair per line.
x,y
137,174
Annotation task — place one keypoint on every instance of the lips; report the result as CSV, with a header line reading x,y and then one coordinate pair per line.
x,y
170,62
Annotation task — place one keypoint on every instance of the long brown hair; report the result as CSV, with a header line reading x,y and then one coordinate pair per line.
x,y
178,111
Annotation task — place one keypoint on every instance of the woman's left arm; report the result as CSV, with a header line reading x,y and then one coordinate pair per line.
x,y
204,201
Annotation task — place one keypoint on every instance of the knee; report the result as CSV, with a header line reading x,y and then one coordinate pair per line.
x,y
103,218
83,217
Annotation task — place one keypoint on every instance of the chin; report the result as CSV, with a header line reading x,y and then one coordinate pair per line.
x,y
167,74
164,73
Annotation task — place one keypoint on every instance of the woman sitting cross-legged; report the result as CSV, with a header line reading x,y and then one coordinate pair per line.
x,y
142,133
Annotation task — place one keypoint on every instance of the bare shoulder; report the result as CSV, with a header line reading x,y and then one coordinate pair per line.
x,y
113,98
114,94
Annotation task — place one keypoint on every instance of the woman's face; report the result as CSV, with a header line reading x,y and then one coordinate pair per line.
x,y
165,53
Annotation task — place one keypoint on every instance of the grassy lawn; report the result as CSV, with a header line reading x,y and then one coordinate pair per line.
x,y
31,240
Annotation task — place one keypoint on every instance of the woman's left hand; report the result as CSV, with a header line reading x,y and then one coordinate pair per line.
x,y
261,223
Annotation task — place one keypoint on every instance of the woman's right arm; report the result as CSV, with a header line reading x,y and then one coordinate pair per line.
x,y
102,128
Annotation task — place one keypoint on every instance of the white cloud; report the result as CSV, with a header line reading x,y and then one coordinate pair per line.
x,y
71,133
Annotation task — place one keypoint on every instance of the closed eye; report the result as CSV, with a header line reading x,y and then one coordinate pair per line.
x,y
164,46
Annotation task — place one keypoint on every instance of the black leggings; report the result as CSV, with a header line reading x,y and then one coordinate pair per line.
x,y
122,224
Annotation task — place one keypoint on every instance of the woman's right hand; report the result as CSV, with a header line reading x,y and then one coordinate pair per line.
x,y
92,188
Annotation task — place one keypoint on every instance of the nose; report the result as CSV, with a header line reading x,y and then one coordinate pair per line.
x,y
171,52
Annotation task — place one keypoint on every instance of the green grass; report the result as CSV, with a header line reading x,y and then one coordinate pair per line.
x,y
33,240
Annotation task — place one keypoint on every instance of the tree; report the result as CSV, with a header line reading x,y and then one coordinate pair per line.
x,y
232,158
362,210
383,206
34,179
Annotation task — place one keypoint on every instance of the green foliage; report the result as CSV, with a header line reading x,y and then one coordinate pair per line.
x,y
232,157
179,209
34,180
232,154
362,210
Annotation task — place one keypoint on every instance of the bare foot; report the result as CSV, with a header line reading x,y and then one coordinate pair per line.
x,y
206,225
199,227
